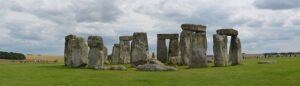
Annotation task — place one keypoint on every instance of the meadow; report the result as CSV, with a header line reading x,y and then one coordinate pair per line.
x,y
286,72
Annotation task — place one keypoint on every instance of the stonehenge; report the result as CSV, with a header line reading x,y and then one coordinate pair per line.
x,y
68,50
139,48
170,56
221,56
115,54
97,51
121,51
187,48
125,49
194,40
79,52
220,50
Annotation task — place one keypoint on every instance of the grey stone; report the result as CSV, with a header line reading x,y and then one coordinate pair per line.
x,y
155,67
198,50
125,38
267,62
96,54
221,58
106,61
193,27
162,50
79,52
147,61
115,67
139,47
118,67
235,51
185,38
124,51
68,50
173,55
167,36
116,54
228,32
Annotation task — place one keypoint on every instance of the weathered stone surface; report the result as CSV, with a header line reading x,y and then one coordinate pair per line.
x,y
167,36
68,50
139,47
267,62
118,67
221,58
147,61
193,27
96,54
173,55
155,67
235,51
125,38
162,50
115,67
228,32
106,61
116,54
79,52
198,50
124,51
185,38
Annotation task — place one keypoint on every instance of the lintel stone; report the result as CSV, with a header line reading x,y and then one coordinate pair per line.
x,y
194,27
168,36
228,32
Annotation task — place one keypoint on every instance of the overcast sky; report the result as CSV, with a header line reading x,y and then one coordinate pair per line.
x,y
39,26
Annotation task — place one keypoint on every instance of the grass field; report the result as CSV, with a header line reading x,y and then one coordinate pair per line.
x,y
286,72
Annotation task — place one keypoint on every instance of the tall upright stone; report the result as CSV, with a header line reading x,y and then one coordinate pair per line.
x,y
190,30
198,50
68,50
79,52
221,58
96,54
106,61
162,50
139,47
125,49
185,38
116,54
173,55
235,51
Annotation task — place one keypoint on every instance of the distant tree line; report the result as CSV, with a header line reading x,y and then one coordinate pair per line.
x,y
12,55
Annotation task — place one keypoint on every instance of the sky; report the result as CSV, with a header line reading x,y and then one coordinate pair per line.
x,y
40,26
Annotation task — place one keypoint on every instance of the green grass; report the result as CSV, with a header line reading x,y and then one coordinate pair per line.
x,y
286,72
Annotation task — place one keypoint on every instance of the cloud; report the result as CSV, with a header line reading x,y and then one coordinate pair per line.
x,y
39,26
277,4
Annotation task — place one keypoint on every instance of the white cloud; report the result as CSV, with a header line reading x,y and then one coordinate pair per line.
x,y
30,26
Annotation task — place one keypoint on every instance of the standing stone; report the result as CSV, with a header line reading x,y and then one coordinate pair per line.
x,y
198,50
125,49
139,47
220,50
185,38
173,55
96,53
68,50
106,55
235,52
228,32
162,50
116,54
79,52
